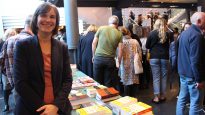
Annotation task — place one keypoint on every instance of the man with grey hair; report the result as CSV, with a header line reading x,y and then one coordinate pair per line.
x,y
191,64
9,47
104,46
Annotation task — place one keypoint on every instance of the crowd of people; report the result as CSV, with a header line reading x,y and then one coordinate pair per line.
x,y
165,47
35,63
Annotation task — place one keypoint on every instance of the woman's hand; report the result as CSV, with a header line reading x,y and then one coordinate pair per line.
x,y
48,110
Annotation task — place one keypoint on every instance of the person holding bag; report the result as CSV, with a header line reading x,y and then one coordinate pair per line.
x,y
130,64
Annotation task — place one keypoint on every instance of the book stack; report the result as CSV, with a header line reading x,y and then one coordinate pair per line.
x,y
88,104
77,85
94,110
82,83
77,99
86,79
107,94
91,91
99,87
138,108
118,104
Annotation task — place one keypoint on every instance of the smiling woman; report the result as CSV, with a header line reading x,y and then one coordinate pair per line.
x,y
45,15
43,86
46,22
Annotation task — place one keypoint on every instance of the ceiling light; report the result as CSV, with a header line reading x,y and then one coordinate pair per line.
x,y
155,6
173,6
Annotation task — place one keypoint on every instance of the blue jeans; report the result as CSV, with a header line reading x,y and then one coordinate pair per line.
x,y
159,72
103,71
188,89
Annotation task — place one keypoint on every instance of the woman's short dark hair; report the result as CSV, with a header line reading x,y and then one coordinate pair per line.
x,y
42,9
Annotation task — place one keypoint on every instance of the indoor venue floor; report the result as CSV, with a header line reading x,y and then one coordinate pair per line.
x,y
144,95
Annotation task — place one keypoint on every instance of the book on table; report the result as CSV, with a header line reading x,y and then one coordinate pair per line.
x,y
106,93
121,102
77,85
109,99
77,99
83,82
138,108
94,110
86,79
88,104
91,91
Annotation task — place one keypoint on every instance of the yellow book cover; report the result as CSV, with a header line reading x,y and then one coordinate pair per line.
x,y
94,110
138,108
107,111
145,105
123,101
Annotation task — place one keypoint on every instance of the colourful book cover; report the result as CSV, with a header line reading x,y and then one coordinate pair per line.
x,y
107,93
94,110
138,108
79,98
123,101
85,80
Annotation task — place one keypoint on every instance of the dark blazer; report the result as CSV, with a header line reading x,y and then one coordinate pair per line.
x,y
85,53
191,57
29,76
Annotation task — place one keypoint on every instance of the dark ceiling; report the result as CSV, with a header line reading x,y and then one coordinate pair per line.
x,y
190,4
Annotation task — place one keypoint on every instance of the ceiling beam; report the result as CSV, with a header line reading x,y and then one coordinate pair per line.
x,y
157,5
126,4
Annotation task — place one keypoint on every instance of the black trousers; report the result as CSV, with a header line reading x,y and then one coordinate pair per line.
x,y
131,90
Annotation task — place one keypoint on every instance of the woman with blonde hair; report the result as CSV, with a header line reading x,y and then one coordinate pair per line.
x,y
8,33
85,50
158,44
129,49
91,28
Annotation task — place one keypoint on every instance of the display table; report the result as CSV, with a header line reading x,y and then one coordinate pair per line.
x,y
76,75
134,105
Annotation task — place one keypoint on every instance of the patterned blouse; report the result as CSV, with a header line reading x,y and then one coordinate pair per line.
x,y
127,73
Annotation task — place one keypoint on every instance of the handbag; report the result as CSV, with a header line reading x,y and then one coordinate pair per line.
x,y
138,64
148,55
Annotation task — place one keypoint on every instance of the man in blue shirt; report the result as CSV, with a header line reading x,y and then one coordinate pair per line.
x,y
191,62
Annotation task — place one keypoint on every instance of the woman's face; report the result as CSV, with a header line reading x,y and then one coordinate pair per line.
x,y
46,22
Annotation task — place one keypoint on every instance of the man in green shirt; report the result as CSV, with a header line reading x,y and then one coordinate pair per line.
x,y
104,46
